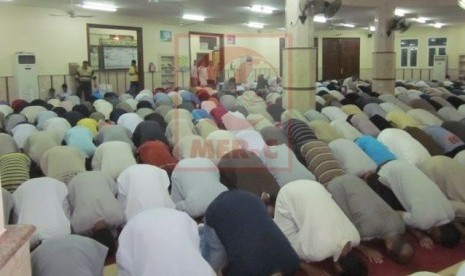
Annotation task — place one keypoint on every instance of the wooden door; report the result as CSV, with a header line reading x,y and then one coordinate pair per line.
x,y
350,62
341,57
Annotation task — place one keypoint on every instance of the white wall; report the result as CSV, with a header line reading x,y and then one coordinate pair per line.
x,y
57,41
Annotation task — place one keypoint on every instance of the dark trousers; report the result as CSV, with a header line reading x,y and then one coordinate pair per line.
x,y
386,194
85,87
134,88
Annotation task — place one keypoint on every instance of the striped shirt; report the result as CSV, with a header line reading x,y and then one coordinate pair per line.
x,y
14,170
321,161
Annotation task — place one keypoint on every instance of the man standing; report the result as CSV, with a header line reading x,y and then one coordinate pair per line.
x,y
84,76
133,79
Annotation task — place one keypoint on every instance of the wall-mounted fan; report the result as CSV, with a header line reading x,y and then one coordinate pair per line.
x,y
397,24
313,7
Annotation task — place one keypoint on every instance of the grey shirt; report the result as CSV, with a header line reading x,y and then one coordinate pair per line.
x,y
372,217
92,198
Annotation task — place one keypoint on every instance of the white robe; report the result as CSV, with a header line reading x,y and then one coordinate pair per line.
x,y
426,205
161,242
314,224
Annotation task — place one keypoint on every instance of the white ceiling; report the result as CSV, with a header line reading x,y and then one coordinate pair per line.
x,y
234,12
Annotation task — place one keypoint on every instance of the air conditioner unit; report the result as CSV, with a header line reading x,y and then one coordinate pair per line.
x,y
27,85
439,68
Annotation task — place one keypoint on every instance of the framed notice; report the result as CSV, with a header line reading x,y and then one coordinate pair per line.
x,y
230,39
166,36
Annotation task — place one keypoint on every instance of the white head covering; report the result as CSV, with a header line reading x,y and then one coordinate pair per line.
x,y
72,255
103,107
250,140
142,187
112,158
50,216
130,121
21,132
38,143
58,125
152,242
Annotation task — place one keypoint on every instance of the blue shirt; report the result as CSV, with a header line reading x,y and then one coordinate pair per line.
x,y
375,149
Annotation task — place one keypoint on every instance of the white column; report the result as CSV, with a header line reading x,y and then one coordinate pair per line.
x,y
384,56
299,60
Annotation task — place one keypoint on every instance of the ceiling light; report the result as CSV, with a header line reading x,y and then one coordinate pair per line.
x,y
348,25
319,18
462,4
372,28
261,9
99,6
400,12
255,25
193,17
421,19
437,25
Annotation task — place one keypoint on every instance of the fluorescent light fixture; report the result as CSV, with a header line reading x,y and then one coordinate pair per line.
x,y
261,9
372,28
319,18
256,25
437,25
99,6
462,4
400,12
193,17
347,25
421,19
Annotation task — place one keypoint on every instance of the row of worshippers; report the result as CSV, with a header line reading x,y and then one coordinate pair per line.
x,y
233,229
248,166
226,120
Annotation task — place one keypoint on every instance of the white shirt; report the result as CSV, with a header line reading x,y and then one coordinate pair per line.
x,y
284,165
153,241
315,226
351,157
142,187
403,145
333,113
346,129
43,202
426,206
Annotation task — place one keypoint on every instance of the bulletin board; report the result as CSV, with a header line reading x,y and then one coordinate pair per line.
x,y
117,57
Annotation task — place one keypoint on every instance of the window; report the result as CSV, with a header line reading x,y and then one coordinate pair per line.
x,y
436,46
409,50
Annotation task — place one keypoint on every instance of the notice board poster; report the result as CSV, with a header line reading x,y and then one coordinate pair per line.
x,y
115,57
